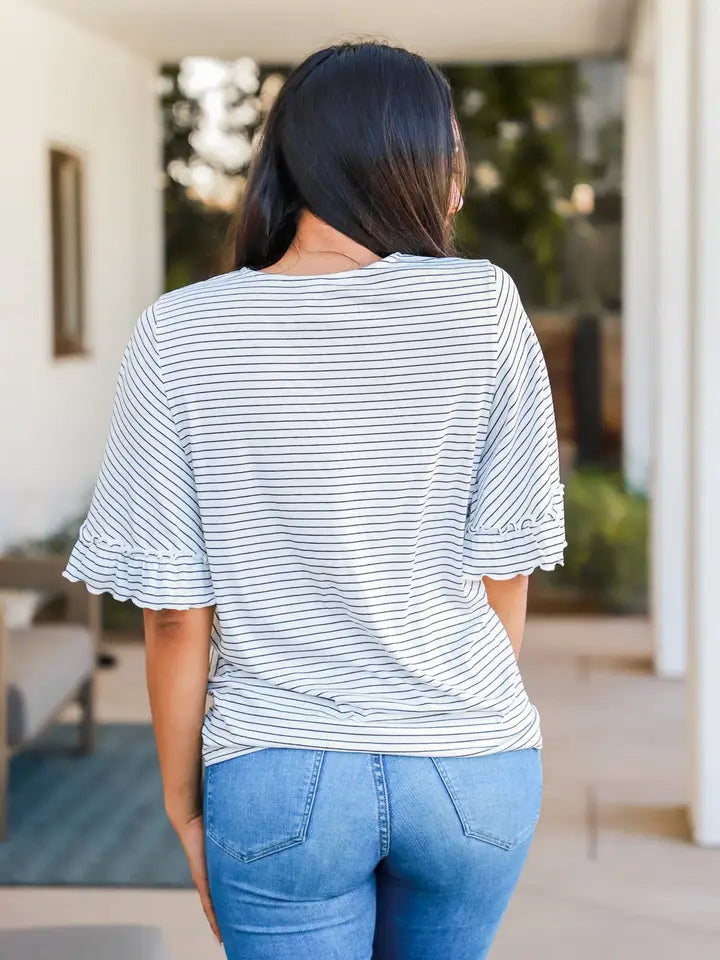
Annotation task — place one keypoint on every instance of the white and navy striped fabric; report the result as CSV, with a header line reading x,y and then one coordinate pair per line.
x,y
334,462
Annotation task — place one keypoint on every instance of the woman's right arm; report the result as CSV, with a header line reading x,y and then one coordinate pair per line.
x,y
508,598
515,521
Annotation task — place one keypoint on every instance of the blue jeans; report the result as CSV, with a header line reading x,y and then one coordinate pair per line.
x,y
332,855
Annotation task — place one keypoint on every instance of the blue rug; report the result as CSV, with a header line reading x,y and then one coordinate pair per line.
x,y
94,820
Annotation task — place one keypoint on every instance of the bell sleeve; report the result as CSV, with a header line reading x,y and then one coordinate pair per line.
x,y
515,518
142,539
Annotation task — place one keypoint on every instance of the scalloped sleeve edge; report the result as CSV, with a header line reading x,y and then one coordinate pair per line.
x,y
164,580
519,547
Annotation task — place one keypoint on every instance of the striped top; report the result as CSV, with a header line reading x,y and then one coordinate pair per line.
x,y
334,462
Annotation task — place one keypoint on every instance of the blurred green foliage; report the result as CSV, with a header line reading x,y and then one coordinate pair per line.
x,y
195,234
520,126
198,236
607,533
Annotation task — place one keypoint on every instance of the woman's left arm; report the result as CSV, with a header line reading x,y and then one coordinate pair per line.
x,y
143,540
177,644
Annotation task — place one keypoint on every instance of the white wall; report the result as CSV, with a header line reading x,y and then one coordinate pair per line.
x,y
671,335
704,649
63,85
285,31
638,280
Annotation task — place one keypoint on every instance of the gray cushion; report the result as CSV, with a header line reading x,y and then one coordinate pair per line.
x,y
83,943
46,665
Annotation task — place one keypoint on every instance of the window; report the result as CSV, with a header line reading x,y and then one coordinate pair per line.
x,y
67,266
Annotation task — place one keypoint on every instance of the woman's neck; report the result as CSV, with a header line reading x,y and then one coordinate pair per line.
x,y
320,248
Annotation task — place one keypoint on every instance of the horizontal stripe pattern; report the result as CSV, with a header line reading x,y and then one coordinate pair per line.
x,y
335,462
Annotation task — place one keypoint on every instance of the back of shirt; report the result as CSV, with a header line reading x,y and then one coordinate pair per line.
x,y
335,462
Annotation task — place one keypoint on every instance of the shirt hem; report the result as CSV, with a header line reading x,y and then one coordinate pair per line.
x,y
534,739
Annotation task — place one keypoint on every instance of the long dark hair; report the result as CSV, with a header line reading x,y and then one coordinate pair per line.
x,y
364,136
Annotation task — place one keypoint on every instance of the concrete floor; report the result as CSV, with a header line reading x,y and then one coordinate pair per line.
x,y
611,875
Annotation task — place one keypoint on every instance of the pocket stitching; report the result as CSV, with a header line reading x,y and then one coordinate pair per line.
x,y
312,792
293,841
465,820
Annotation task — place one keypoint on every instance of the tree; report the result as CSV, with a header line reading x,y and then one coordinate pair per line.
x,y
212,112
520,129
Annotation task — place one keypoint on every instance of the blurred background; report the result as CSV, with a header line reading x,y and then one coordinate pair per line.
x,y
594,154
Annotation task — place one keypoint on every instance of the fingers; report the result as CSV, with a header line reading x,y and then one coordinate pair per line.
x,y
200,879
193,841
207,906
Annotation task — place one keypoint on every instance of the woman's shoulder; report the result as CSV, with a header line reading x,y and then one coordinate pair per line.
x,y
183,301
487,273
465,266
206,299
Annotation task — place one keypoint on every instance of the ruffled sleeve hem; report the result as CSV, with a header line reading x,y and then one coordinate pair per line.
x,y
153,581
518,548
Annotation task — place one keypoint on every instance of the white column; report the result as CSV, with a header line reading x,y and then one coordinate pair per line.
x,y
704,607
669,338
638,273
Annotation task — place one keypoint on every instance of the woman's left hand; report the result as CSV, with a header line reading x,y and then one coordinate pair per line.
x,y
192,837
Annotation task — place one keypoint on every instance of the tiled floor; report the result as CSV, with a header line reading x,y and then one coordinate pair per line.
x,y
610,874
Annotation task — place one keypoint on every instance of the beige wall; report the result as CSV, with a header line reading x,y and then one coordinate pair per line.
x,y
65,86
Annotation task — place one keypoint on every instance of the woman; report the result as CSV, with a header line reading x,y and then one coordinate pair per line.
x,y
334,467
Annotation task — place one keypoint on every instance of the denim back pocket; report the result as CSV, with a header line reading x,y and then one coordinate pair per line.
x,y
497,796
260,803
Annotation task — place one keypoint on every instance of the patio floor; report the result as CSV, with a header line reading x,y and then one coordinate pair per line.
x,y
610,875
